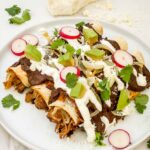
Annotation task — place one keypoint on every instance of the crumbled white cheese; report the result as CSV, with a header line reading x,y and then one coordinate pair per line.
x,y
141,80
106,122
108,103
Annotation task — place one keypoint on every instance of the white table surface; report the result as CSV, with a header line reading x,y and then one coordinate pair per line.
x,y
133,15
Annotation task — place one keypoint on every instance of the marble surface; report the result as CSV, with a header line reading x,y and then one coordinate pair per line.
x,y
132,15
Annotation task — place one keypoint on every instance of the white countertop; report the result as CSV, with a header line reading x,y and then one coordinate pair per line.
x,y
132,15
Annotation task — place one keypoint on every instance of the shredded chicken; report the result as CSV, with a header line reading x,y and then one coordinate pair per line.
x,y
64,123
13,80
34,97
64,119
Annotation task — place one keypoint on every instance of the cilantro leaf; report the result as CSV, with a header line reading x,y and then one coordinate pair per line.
x,y
70,48
10,101
56,32
148,144
140,102
16,20
99,139
57,43
125,73
20,20
71,80
78,52
26,15
80,24
14,10
105,89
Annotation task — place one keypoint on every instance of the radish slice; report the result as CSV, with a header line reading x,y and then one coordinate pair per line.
x,y
69,33
122,58
30,39
67,70
18,46
119,139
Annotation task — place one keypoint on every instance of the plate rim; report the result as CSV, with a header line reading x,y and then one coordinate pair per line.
x,y
55,20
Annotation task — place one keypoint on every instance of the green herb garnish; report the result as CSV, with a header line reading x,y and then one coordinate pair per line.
x,y
33,53
57,43
20,20
26,15
99,139
140,103
14,10
105,89
78,52
126,73
80,24
71,80
56,32
148,144
10,101
70,49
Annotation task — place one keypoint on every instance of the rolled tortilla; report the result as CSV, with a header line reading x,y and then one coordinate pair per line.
x,y
16,77
65,114
21,74
39,95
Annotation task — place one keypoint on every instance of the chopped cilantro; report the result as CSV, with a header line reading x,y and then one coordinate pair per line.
x,y
57,43
99,139
69,48
148,144
105,89
20,20
55,32
78,52
16,20
71,80
10,101
80,24
125,73
140,103
26,15
14,10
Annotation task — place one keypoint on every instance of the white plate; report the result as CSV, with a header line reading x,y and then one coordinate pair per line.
x,y
30,125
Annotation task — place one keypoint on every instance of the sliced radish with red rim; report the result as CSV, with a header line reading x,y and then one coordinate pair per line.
x,y
18,46
122,58
69,32
30,39
67,70
119,139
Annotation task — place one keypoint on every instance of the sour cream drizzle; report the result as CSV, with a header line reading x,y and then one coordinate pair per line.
x,y
141,79
106,122
109,72
108,44
81,103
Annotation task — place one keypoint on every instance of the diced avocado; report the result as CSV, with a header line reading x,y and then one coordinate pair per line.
x,y
123,100
90,36
95,54
78,91
66,59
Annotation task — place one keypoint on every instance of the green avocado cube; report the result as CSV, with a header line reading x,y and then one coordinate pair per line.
x,y
123,100
95,54
90,36
78,91
66,59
